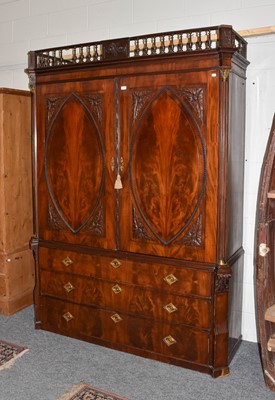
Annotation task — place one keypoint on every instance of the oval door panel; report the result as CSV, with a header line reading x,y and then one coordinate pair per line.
x,y
167,166
74,163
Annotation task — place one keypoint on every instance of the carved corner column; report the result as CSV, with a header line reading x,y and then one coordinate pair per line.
x,y
34,243
221,329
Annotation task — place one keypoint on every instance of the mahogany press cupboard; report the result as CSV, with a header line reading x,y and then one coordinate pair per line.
x,y
138,156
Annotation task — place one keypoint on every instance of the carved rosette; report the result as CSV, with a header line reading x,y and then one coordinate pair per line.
x,y
193,237
139,231
116,49
139,100
54,220
195,97
94,103
96,226
53,104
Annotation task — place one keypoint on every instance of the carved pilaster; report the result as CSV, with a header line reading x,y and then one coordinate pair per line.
x,y
225,73
223,276
32,82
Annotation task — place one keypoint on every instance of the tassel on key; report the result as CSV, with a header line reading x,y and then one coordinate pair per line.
x,y
118,183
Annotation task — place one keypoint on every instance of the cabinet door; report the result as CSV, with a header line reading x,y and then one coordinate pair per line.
x,y
168,125
74,145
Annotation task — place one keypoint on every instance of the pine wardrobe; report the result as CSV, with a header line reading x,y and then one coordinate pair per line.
x,y
138,168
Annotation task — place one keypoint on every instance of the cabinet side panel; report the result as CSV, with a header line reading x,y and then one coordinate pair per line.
x,y
235,167
235,307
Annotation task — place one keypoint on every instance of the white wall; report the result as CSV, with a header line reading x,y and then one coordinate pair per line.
x,y
36,24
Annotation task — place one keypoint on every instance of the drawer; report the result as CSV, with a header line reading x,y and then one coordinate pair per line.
x,y
177,279
127,298
111,327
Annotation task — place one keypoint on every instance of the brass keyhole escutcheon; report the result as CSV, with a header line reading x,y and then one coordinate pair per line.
x,y
170,279
68,316
116,263
170,308
116,289
67,261
169,340
116,318
69,287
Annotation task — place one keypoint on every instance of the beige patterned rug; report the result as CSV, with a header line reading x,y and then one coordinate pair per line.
x,y
83,391
9,353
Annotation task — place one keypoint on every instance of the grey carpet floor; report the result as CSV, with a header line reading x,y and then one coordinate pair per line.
x,y
55,363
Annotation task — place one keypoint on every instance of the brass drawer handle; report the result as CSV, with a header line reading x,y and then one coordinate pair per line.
x,y
116,318
170,308
169,340
116,289
170,279
116,263
68,316
69,287
67,261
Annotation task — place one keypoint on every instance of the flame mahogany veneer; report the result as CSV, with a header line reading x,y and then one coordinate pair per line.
x,y
138,156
